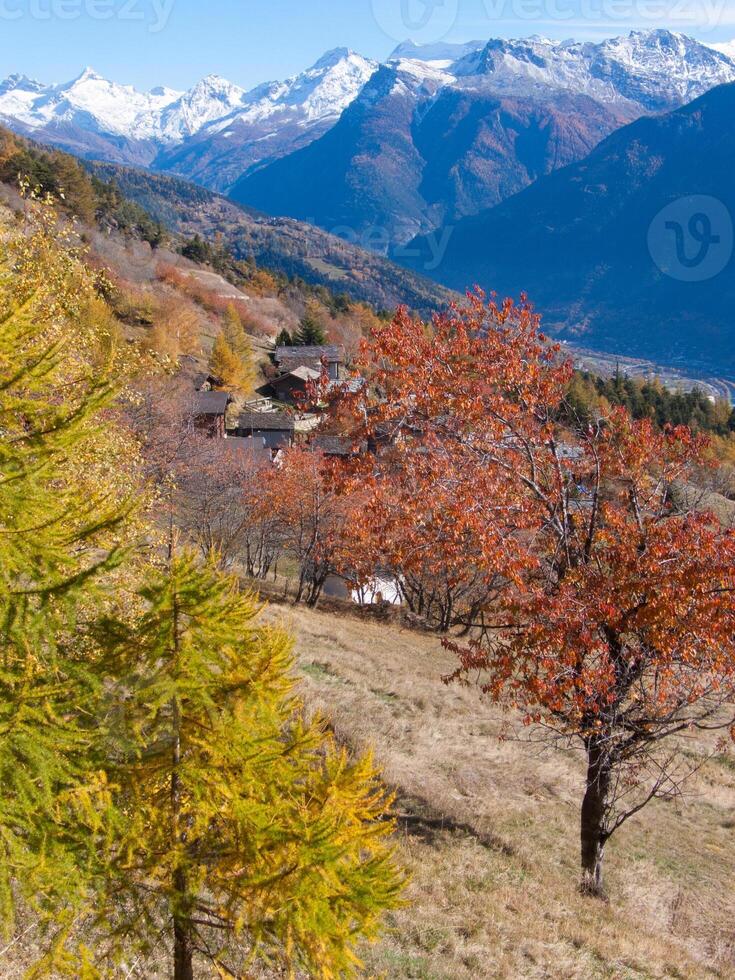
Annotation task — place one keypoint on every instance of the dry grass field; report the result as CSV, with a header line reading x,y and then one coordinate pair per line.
x,y
489,829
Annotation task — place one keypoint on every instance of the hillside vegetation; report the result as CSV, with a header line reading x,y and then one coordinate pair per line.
x,y
283,245
488,828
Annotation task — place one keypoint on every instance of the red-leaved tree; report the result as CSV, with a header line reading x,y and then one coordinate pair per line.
x,y
609,613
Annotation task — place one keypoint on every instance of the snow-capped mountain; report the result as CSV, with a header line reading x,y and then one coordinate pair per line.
x,y
271,120
475,121
212,98
89,100
651,69
444,131
135,123
321,92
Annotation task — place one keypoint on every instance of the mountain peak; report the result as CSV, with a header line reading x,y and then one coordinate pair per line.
x,y
88,75
331,58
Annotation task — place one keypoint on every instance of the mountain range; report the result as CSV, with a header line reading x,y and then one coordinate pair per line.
x,y
628,251
567,170
382,152
213,130
436,135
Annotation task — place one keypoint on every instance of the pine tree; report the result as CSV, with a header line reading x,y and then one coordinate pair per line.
x,y
310,332
61,535
252,837
284,339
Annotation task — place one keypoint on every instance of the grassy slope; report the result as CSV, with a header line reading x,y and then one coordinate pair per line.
x,y
490,830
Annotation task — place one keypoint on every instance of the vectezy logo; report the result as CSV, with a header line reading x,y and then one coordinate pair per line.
x,y
691,239
421,21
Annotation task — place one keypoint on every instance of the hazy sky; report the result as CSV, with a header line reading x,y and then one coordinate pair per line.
x,y
175,42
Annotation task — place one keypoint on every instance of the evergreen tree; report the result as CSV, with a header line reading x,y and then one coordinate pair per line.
x,y
251,836
310,332
284,339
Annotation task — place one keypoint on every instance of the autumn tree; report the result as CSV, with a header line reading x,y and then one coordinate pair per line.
x,y
64,529
612,623
176,326
252,839
314,520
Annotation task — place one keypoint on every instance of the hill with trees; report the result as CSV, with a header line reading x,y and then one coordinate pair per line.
x,y
285,246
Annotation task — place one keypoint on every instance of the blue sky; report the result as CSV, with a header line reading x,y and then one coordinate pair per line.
x,y
175,42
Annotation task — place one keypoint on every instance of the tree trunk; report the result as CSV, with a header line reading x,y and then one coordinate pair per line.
x,y
183,938
593,823
183,951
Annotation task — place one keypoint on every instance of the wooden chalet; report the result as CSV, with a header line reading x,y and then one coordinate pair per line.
x,y
276,429
331,356
209,410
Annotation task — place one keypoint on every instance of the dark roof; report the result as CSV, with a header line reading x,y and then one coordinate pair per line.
x,y
290,357
204,381
265,422
254,447
210,402
338,445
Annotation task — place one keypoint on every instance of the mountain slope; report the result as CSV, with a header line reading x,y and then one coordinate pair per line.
x,y
607,267
444,132
410,154
278,244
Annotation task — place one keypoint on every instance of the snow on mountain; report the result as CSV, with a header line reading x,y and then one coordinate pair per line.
x,y
210,99
89,101
441,55
168,117
654,69
321,92
17,95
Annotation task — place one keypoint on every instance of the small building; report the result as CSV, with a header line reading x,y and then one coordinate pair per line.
x,y
333,356
275,428
292,387
209,410
250,450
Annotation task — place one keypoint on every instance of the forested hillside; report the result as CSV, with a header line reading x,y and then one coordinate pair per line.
x,y
289,247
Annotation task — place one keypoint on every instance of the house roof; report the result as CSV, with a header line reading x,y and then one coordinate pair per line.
x,y
210,402
249,447
265,422
338,445
302,373
349,385
288,358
